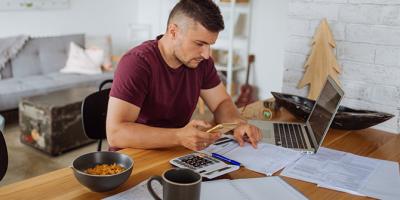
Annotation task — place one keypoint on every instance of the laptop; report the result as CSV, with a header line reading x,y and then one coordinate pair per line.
x,y
306,137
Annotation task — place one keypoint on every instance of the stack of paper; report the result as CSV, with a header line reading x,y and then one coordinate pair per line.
x,y
266,159
348,173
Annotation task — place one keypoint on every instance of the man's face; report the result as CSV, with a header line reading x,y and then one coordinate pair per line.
x,y
193,44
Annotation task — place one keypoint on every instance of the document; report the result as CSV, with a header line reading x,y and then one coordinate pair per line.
x,y
239,189
308,168
266,159
347,172
385,182
249,189
221,149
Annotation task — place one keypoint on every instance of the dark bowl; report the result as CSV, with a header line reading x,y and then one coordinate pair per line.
x,y
345,118
102,183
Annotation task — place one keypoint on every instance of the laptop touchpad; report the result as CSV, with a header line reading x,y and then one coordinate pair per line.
x,y
267,129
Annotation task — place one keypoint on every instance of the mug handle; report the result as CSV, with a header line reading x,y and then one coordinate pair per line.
x,y
154,178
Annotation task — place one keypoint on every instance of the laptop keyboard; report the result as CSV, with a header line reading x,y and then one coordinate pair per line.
x,y
289,136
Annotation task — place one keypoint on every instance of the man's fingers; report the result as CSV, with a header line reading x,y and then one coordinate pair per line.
x,y
208,138
200,123
215,135
250,134
256,134
239,137
253,139
259,133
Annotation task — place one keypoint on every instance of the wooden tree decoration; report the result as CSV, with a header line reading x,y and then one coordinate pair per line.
x,y
321,62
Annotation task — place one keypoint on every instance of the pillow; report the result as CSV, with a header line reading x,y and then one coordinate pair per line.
x,y
83,61
104,43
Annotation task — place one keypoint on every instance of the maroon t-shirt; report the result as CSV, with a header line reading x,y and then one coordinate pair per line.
x,y
166,97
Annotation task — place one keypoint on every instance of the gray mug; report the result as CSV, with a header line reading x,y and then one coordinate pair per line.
x,y
178,184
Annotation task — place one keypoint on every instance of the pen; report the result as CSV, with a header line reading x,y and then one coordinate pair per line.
x,y
224,141
225,159
214,128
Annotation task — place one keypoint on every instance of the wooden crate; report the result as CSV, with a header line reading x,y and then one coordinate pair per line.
x,y
52,123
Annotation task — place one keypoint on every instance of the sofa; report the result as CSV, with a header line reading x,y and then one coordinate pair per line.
x,y
36,70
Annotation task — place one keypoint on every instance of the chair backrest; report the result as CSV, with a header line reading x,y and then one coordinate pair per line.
x,y
3,156
2,123
94,113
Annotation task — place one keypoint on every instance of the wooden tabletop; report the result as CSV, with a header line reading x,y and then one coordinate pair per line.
x,y
61,184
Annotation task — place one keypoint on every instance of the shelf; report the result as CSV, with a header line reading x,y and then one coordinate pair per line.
x,y
241,8
239,42
232,47
220,67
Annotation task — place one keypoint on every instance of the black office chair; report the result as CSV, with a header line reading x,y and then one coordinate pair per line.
x,y
3,156
94,113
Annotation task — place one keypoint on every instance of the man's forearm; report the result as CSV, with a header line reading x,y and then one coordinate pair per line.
x,y
134,135
227,112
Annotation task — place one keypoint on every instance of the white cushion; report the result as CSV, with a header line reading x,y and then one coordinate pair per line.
x,y
83,61
104,43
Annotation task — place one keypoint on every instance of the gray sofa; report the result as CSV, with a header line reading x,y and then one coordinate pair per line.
x,y
35,70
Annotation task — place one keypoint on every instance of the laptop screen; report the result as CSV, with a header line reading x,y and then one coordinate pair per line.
x,y
325,109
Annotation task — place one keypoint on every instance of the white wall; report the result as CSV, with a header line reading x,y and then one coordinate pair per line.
x,y
102,17
155,13
367,35
96,17
268,34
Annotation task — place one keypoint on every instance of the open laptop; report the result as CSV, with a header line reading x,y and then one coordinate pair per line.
x,y
306,137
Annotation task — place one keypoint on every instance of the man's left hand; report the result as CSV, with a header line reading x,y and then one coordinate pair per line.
x,y
248,133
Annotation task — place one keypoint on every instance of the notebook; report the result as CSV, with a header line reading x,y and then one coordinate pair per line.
x,y
306,137
249,189
239,189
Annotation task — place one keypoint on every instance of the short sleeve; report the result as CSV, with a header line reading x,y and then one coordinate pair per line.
x,y
211,78
131,79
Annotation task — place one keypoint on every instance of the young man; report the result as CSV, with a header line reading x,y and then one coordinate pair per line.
x,y
157,85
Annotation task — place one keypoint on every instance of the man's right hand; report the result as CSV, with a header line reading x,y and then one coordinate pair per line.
x,y
192,137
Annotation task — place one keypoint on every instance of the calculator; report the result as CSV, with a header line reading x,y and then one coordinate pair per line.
x,y
207,166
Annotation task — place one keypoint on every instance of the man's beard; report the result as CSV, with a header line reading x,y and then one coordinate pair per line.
x,y
192,63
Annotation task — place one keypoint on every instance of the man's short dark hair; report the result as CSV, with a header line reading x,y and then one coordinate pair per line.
x,y
206,12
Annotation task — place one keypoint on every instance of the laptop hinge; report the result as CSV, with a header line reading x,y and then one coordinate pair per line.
x,y
311,136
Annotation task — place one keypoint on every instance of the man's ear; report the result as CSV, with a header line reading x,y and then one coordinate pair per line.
x,y
172,30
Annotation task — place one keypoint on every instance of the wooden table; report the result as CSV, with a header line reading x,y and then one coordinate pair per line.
x,y
61,184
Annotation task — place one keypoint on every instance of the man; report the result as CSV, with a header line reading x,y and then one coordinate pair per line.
x,y
157,85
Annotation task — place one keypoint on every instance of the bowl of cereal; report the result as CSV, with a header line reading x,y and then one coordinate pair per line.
x,y
102,171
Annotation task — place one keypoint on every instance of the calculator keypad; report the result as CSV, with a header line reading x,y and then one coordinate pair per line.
x,y
206,165
193,161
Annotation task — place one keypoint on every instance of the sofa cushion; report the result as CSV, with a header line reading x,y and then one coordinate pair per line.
x,y
44,55
11,90
83,61
6,71
80,79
